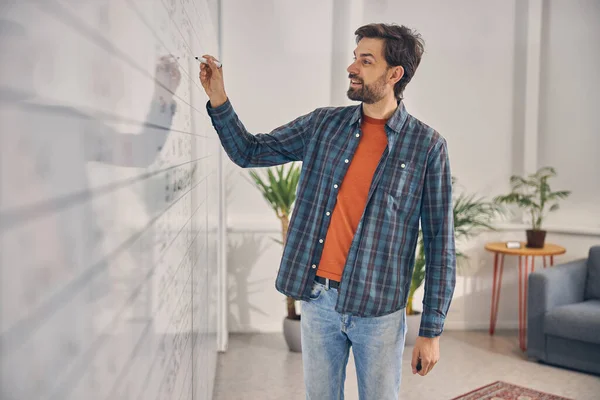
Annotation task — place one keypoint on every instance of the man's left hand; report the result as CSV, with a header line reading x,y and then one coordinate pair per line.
x,y
428,351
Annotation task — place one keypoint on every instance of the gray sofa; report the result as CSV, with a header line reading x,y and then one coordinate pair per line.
x,y
563,314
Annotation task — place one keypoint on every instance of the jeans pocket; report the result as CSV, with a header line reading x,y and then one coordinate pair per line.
x,y
317,290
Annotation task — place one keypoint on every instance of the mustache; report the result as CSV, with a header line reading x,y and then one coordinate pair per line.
x,y
351,76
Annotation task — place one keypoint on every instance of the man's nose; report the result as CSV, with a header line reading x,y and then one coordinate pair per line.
x,y
352,69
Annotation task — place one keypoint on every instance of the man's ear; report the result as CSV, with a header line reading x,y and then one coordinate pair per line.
x,y
397,74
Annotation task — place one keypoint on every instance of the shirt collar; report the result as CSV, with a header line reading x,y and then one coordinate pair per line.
x,y
395,122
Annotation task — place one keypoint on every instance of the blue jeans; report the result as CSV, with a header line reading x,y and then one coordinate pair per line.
x,y
377,344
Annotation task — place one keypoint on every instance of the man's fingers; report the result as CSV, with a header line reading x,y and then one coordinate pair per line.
x,y
204,71
212,62
415,359
214,67
424,369
427,367
209,59
203,80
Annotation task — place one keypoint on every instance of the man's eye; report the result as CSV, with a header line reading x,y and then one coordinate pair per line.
x,y
364,61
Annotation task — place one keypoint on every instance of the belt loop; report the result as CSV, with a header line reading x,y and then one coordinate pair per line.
x,y
327,283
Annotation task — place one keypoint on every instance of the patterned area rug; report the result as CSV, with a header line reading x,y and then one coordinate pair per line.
x,y
506,391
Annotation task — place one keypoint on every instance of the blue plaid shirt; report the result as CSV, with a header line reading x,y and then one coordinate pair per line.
x,y
412,183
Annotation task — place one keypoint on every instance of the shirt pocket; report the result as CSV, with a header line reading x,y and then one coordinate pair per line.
x,y
402,181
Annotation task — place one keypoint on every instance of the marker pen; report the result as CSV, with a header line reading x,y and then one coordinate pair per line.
x,y
203,60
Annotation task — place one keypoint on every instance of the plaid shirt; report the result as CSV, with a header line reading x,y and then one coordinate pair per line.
x,y
412,182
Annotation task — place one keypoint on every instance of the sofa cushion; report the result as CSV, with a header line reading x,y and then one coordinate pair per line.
x,y
592,286
579,321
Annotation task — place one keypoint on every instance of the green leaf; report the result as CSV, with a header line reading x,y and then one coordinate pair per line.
x,y
277,191
533,194
278,187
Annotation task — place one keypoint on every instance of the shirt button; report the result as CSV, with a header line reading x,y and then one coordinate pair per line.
x,y
314,266
402,165
335,186
346,161
320,240
328,213
357,135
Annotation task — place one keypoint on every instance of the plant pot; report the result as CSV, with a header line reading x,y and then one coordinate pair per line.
x,y
292,334
535,238
413,322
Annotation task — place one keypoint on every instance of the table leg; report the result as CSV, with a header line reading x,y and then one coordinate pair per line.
x,y
520,300
551,260
526,277
497,285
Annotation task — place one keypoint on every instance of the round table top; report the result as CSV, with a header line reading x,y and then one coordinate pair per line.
x,y
549,249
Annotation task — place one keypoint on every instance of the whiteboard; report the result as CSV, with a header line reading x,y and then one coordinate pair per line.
x,y
108,200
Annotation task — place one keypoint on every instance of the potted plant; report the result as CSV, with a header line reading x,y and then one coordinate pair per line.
x,y
533,194
279,190
471,216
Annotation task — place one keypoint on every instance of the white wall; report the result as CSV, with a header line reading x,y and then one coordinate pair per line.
x,y
473,85
109,262
569,98
464,85
277,66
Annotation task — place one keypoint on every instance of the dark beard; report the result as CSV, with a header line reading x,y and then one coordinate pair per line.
x,y
364,94
368,94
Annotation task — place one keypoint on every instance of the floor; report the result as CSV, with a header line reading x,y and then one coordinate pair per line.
x,y
259,366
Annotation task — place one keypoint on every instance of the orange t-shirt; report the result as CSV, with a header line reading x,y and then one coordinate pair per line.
x,y
352,198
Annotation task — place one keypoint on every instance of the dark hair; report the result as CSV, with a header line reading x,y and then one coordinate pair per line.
x,y
401,46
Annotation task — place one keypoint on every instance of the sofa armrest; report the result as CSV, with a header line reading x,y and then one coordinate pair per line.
x,y
548,288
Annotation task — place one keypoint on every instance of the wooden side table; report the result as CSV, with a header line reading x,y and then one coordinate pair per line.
x,y
500,250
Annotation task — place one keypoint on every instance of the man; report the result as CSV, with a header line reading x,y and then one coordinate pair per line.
x,y
370,174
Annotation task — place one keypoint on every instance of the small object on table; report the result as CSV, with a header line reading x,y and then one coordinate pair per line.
x,y
513,245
